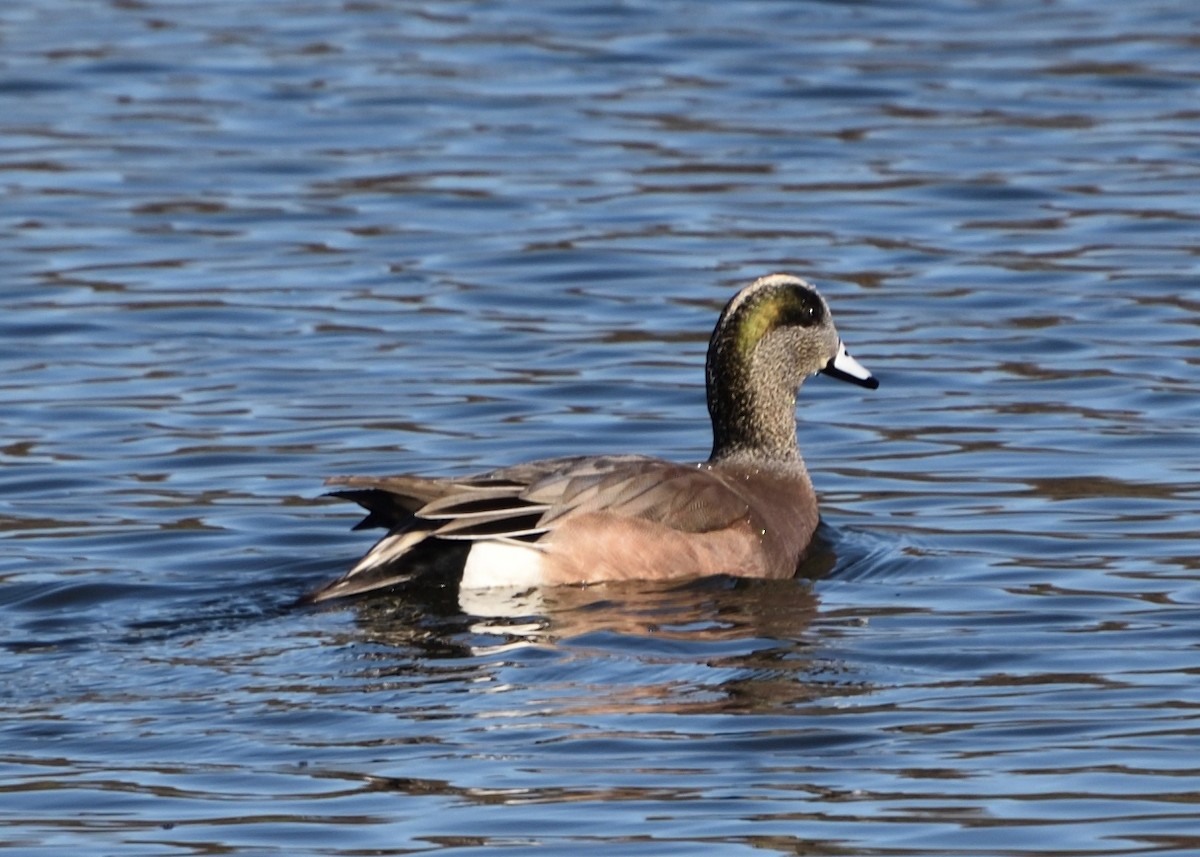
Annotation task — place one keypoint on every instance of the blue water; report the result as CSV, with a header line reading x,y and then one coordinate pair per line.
x,y
247,246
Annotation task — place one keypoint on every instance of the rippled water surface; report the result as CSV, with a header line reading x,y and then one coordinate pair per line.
x,y
246,246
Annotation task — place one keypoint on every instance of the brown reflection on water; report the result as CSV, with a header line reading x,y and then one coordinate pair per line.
x,y
708,610
704,646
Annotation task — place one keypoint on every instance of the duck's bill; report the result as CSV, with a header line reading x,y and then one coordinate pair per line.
x,y
846,368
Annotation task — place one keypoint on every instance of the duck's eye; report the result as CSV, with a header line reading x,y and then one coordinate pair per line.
x,y
804,311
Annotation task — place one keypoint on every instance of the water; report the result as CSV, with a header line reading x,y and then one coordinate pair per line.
x,y
247,246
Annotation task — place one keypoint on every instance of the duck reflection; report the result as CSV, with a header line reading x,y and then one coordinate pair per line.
x,y
712,644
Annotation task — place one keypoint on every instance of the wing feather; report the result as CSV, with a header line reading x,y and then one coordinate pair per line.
x,y
520,504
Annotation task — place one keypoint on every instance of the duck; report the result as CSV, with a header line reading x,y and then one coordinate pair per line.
x,y
748,511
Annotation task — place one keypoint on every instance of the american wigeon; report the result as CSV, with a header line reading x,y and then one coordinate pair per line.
x,y
748,511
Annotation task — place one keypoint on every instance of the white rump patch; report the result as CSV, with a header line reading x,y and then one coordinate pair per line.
x,y
493,564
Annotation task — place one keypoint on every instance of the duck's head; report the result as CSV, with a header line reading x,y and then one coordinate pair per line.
x,y
773,334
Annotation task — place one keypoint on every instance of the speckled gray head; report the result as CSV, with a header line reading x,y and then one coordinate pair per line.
x,y
773,334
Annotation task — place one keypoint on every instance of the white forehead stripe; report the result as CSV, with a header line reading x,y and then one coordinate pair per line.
x,y
769,281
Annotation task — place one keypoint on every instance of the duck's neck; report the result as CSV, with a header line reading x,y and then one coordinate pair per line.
x,y
753,413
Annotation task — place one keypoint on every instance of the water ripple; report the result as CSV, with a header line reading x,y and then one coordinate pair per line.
x,y
247,246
